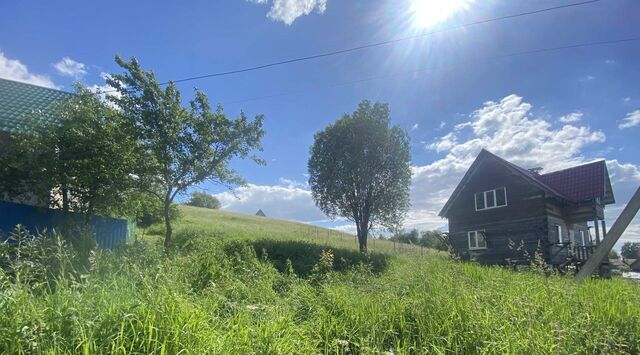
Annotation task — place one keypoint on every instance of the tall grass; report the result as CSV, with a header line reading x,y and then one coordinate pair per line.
x,y
223,292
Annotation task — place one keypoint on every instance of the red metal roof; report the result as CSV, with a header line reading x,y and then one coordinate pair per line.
x,y
579,183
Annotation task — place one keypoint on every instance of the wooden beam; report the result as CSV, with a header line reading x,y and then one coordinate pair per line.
x,y
604,230
611,238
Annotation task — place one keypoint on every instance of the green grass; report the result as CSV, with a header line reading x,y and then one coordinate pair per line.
x,y
241,284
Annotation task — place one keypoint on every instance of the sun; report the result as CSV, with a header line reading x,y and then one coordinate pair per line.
x,y
427,13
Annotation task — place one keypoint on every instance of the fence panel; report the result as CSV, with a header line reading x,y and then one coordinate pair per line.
x,y
108,231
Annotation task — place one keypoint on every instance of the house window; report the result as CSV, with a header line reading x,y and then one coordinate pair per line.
x,y
582,240
557,233
491,199
477,240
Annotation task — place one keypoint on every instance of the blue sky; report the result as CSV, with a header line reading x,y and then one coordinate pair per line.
x,y
449,90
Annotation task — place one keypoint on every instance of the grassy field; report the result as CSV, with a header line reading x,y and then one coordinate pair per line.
x,y
239,284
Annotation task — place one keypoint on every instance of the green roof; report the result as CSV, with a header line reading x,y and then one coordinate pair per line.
x,y
18,100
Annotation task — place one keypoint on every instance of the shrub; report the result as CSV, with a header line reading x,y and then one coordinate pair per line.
x,y
204,200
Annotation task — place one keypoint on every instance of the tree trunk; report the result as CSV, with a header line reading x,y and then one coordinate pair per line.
x,y
167,224
65,199
363,232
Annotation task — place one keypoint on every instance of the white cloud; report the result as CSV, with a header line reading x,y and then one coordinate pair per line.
x,y
572,117
442,124
444,143
288,11
632,119
289,201
69,67
414,127
610,61
626,99
13,69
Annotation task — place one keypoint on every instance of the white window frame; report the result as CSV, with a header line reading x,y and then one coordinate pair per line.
x,y
476,233
584,242
495,200
558,232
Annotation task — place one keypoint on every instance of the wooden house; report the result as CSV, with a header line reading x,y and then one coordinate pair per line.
x,y
501,213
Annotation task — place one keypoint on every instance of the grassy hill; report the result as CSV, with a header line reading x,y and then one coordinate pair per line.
x,y
244,284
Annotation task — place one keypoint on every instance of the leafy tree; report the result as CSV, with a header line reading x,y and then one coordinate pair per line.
x,y
359,169
630,250
84,156
182,146
204,200
434,240
411,237
613,254
150,211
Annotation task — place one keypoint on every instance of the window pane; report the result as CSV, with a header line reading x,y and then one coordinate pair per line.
x,y
482,243
491,200
472,240
501,197
559,233
479,201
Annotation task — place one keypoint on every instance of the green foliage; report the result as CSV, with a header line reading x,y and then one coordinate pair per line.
x,y
85,156
182,146
613,254
217,294
431,239
204,200
630,250
38,261
149,211
360,169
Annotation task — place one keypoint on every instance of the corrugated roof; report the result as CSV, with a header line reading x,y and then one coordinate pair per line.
x,y
579,183
18,100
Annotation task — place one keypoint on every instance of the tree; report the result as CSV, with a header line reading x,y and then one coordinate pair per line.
x,y
150,211
360,169
204,200
613,254
84,157
630,250
182,146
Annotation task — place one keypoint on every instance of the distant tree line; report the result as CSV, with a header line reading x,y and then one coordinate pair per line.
x,y
431,239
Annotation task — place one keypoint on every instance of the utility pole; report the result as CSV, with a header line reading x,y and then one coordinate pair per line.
x,y
611,237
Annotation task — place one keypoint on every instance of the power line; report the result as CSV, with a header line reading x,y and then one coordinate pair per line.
x,y
515,54
373,45
383,43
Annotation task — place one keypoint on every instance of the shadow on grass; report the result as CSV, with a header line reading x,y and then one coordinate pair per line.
x,y
304,255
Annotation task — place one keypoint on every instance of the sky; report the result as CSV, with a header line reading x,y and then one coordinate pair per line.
x,y
455,91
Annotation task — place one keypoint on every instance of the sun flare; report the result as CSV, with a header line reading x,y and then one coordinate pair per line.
x,y
427,13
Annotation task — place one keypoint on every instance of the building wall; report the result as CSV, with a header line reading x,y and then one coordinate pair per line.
x,y
512,232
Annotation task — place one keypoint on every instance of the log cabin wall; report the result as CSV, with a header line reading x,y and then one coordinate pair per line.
x,y
522,223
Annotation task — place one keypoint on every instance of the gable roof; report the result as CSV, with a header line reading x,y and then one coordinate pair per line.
x,y
574,185
17,100
583,182
260,213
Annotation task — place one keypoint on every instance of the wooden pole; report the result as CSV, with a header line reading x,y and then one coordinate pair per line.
x,y
604,230
611,238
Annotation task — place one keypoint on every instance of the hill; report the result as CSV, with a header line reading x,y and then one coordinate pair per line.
x,y
246,284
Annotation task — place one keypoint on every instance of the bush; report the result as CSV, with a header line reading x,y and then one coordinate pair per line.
x,y
204,200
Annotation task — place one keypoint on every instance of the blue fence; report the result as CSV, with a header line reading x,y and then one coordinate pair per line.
x,y
109,232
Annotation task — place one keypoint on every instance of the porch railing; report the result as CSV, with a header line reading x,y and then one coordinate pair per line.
x,y
583,252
